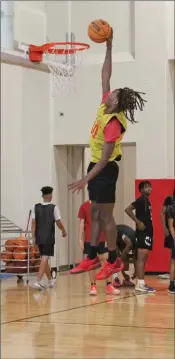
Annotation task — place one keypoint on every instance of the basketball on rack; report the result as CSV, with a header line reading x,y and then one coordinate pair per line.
x,y
34,252
99,31
19,253
21,242
5,256
9,244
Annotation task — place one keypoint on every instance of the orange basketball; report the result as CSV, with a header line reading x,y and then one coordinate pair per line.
x,y
21,242
5,256
34,252
9,244
99,31
19,253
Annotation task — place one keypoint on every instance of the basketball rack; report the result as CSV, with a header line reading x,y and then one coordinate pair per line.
x,y
10,229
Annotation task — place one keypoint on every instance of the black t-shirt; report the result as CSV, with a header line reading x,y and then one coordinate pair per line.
x,y
143,209
123,230
171,212
167,202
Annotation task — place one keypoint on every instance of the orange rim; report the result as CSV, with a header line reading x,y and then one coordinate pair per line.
x,y
36,52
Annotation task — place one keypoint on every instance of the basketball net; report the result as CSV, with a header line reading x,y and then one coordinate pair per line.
x,y
63,71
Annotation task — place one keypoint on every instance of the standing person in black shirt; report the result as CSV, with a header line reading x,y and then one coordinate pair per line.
x,y
171,226
44,216
144,232
164,219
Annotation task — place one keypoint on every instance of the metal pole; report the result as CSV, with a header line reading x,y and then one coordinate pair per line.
x,y
7,33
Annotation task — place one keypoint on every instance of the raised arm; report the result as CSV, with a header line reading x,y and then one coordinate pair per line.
x,y
107,67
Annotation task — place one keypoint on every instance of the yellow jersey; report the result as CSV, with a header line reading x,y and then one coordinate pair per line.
x,y
97,138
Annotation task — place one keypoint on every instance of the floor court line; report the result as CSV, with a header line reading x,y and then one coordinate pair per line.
x,y
99,325
75,308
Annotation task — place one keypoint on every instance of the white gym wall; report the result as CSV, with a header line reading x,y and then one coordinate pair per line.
x,y
31,124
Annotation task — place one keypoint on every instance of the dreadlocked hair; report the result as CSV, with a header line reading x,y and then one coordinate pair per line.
x,y
128,101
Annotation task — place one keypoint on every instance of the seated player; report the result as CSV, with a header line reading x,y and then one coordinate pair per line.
x,y
125,242
164,219
116,109
144,233
44,217
84,216
171,226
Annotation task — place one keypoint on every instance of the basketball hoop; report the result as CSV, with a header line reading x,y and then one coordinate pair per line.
x,y
61,59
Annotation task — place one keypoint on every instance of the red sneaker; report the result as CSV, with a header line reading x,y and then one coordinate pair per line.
x,y
86,265
111,290
109,269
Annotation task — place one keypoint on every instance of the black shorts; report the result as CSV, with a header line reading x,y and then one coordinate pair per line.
x,y
102,187
101,249
143,240
168,242
46,249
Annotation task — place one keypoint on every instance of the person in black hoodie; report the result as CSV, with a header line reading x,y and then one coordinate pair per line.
x,y
44,217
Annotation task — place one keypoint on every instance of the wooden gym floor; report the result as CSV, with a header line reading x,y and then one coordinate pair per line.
x,y
65,322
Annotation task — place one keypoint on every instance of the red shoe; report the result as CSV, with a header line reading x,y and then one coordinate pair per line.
x,y
86,265
109,269
111,290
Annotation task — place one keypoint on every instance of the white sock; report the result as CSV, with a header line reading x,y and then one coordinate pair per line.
x,y
141,282
115,275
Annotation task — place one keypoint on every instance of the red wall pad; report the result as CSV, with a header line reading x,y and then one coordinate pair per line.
x,y
158,260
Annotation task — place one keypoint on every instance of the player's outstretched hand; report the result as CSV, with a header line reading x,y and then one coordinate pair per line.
x,y
77,186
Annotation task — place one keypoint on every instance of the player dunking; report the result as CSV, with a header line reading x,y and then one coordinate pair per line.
x,y
107,132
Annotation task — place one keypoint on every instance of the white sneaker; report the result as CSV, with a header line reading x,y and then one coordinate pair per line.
x,y
52,283
38,285
140,288
144,289
164,276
